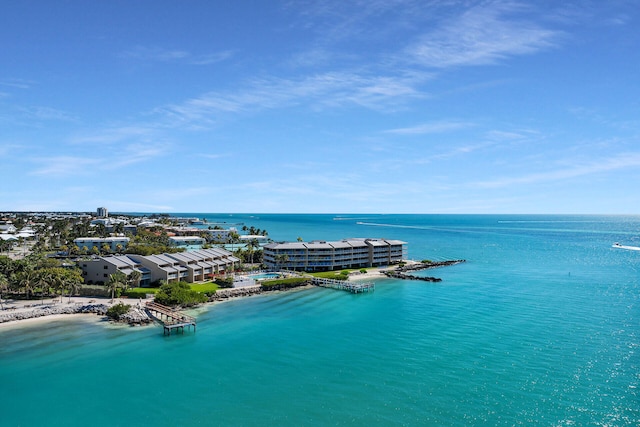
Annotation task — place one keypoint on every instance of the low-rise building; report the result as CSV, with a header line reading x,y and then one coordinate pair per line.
x,y
98,242
192,266
325,256
98,270
181,241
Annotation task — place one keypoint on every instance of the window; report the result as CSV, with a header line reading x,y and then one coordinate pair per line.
x,y
106,267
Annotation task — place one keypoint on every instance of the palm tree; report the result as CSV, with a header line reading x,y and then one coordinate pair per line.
x,y
43,281
4,285
61,285
73,286
118,228
116,281
134,278
252,245
281,260
26,280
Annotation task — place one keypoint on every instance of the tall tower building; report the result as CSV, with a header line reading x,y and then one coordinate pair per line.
x,y
102,212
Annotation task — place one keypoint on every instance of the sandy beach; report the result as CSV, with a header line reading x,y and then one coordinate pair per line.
x,y
12,307
80,317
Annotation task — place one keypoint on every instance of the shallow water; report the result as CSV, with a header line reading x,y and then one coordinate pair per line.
x,y
539,327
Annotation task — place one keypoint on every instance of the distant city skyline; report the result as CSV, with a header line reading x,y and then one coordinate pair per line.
x,y
313,106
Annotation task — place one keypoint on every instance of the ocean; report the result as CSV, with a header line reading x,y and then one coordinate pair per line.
x,y
541,326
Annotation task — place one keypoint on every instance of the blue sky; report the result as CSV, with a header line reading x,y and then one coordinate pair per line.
x,y
382,106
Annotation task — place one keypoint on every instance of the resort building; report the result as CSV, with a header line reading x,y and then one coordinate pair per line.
x,y
325,256
98,242
182,241
98,270
193,266
102,212
222,235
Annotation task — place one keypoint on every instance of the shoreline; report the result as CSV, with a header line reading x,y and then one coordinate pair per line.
x,y
31,307
33,321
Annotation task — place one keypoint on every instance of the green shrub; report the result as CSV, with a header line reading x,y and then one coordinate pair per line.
x,y
179,293
139,293
363,270
284,283
224,282
427,261
117,310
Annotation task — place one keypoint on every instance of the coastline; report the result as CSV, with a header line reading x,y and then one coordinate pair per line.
x,y
85,308
27,312
34,321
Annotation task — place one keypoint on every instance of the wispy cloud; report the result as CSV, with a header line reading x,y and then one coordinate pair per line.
x,y
65,166
136,153
156,54
621,161
483,34
17,83
35,116
211,58
432,127
46,113
113,135
334,89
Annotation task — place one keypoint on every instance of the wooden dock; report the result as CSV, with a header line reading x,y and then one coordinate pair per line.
x,y
343,285
170,319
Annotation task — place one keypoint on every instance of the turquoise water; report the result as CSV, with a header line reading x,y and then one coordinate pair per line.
x,y
541,326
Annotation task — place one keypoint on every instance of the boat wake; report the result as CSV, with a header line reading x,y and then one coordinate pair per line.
x,y
629,248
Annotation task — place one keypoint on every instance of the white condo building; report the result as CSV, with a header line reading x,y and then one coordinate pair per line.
x,y
321,255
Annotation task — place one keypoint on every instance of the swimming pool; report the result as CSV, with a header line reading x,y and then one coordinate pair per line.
x,y
264,276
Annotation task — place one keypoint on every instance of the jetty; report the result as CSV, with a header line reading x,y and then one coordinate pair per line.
x,y
403,272
169,318
343,285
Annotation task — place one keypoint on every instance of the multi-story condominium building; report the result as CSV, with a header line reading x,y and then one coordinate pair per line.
x,y
186,241
193,266
324,256
98,270
102,212
90,242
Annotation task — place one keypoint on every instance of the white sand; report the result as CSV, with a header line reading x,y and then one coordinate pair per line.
x,y
84,317
19,306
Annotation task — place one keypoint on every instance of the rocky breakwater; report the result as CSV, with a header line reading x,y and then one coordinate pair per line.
x,y
136,316
404,271
50,310
223,294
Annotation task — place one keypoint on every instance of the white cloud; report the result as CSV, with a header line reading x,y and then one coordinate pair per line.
x,y
116,134
483,34
154,54
333,89
17,83
65,166
621,161
143,53
432,127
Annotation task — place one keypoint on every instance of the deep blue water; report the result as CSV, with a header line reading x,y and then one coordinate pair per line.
x,y
541,326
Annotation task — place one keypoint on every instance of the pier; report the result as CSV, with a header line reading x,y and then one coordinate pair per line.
x,y
343,285
170,319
